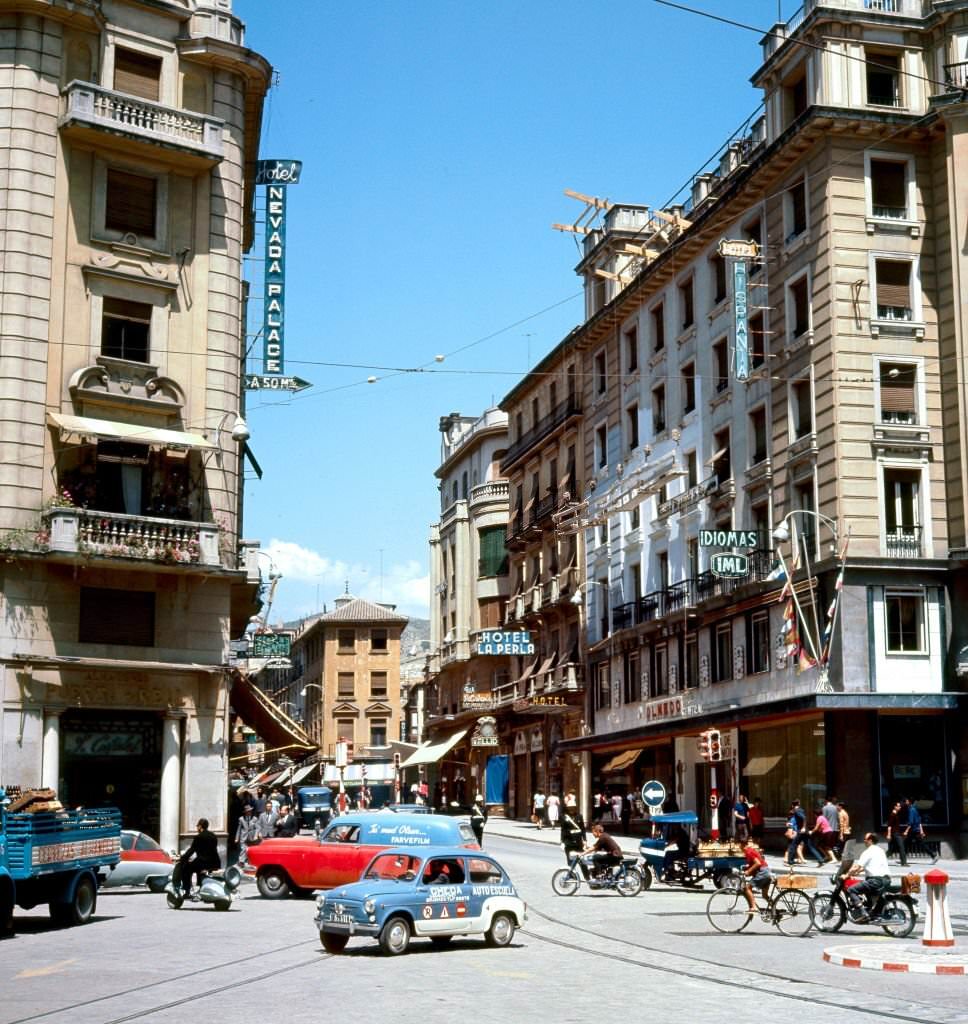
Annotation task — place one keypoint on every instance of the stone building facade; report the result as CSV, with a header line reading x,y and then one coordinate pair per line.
x,y
130,150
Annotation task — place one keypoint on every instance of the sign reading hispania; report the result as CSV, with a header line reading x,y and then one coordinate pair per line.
x,y
493,642
741,318
276,175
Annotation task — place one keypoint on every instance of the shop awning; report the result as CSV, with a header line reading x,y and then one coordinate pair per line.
x,y
270,722
527,672
547,663
137,433
622,761
301,773
431,753
762,765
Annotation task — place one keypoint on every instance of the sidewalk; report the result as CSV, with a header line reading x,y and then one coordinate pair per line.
x,y
509,828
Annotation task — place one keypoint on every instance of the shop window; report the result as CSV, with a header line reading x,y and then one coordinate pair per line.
x,y
785,762
913,764
658,328
121,617
346,639
130,203
795,211
345,685
688,387
722,652
898,392
904,612
137,74
883,74
378,685
125,329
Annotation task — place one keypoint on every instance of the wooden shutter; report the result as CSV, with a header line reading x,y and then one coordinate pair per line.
x,y
137,74
130,203
894,283
117,617
897,392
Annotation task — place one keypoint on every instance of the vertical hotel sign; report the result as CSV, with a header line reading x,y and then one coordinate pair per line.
x,y
739,252
276,175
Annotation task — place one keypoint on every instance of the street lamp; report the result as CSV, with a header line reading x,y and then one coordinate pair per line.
x,y
308,686
819,651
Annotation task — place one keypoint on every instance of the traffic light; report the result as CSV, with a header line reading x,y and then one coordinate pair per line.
x,y
349,751
704,745
396,762
715,745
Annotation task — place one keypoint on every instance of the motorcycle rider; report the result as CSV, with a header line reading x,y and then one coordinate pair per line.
x,y
605,852
202,856
872,863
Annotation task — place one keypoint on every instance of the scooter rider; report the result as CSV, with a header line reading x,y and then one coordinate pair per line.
x,y
202,856
605,852
872,863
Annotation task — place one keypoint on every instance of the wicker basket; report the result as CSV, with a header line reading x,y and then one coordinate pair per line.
x,y
910,884
796,882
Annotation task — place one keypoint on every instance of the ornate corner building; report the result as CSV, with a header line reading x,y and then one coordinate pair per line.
x,y
130,137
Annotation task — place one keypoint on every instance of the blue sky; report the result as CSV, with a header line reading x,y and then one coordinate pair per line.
x,y
437,139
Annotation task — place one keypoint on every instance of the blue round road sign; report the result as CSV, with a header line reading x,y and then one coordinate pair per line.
x,y
653,794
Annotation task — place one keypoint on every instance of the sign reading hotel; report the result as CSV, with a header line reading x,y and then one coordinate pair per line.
x,y
276,175
504,642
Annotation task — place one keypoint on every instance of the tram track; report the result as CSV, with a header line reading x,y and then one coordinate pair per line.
x,y
717,973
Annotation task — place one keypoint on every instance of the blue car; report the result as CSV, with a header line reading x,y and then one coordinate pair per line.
x,y
433,893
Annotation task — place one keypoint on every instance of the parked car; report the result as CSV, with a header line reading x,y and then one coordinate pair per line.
x,y
348,844
141,859
435,894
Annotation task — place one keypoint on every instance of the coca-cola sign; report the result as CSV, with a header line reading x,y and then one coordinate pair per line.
x,y
104,744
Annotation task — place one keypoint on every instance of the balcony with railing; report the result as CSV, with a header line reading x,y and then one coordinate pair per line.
x,y
904,542
561,413
492,492
81,531
105,116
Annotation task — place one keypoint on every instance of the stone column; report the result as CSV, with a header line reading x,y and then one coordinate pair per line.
x,y
50,764
170,812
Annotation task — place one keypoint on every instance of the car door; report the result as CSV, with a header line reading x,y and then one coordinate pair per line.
x,y
338,858
443,897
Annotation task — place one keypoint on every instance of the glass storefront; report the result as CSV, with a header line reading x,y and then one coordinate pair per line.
x,y
911,751
785,762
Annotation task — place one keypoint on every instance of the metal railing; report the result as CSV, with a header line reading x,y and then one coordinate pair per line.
x,y
563,411
904,542
956,75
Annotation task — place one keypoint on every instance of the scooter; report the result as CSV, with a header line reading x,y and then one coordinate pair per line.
x,y
894,911
624,877
216,887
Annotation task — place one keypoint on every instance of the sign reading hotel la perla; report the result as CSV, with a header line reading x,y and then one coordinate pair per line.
x,y
504,642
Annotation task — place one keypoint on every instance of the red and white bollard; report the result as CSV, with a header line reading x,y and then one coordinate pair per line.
x,y
937,926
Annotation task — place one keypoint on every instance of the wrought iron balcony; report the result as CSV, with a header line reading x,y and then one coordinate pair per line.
x,y
904,542
561,413
85,531
90,108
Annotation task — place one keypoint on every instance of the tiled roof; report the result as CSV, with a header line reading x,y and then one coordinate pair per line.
x,y
359,610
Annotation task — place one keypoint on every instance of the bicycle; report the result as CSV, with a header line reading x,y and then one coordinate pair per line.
x,y
788,909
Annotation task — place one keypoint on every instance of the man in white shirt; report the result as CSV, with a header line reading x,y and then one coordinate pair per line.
x,y
872,863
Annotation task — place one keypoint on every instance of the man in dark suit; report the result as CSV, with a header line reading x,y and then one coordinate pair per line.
x,y
286,823
202,856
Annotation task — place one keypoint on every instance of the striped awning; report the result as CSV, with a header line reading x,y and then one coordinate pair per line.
x,y
622,761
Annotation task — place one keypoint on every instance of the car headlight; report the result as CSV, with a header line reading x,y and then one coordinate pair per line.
x,y
320,900
369,906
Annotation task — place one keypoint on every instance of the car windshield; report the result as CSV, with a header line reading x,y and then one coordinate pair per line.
x,y
396,867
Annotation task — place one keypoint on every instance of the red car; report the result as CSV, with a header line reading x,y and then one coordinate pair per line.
x,y
346,847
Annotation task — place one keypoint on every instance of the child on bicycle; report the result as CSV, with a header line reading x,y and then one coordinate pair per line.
x,y
756,872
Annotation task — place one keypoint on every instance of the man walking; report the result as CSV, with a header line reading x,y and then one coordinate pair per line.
x,y
538,807
741,818
247,833
267,822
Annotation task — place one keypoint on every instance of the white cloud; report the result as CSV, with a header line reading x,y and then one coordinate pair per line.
x,y
310,580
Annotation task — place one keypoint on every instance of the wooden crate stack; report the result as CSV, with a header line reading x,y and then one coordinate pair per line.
x,y
34,801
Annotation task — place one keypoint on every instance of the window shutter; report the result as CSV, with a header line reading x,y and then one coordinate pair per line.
x,y
137,74
893,283
117,617
897,393
130,203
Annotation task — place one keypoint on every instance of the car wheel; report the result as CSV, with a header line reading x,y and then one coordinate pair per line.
x,y
564,882
174,902
501,931
273,883
440,941
333,943
395,937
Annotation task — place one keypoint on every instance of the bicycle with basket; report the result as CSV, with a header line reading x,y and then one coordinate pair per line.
x,y
785,905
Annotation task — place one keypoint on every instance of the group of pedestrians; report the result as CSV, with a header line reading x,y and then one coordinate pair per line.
x,y
546,811
264,816
822,840
904,829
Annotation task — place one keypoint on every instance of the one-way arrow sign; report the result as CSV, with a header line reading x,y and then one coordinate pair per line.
x,y
653,794
268,382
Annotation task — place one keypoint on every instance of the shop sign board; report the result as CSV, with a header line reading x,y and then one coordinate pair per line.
x,y
728,538
738,248
729,566
485,732
741,325
504,642
659,710
271,645
268,382
653,794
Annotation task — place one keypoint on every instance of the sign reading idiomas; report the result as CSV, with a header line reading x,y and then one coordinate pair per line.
x,y
493,642
276,175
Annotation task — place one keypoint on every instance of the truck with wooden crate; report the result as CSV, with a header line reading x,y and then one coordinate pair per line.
x,y
52,855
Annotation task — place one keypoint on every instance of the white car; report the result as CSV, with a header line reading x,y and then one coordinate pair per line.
x,y
141,859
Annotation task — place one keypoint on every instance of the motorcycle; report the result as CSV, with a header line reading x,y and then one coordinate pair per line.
x,y
894,911
216,888
624,877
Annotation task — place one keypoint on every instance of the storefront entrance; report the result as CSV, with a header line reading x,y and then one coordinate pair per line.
x,y
113,759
